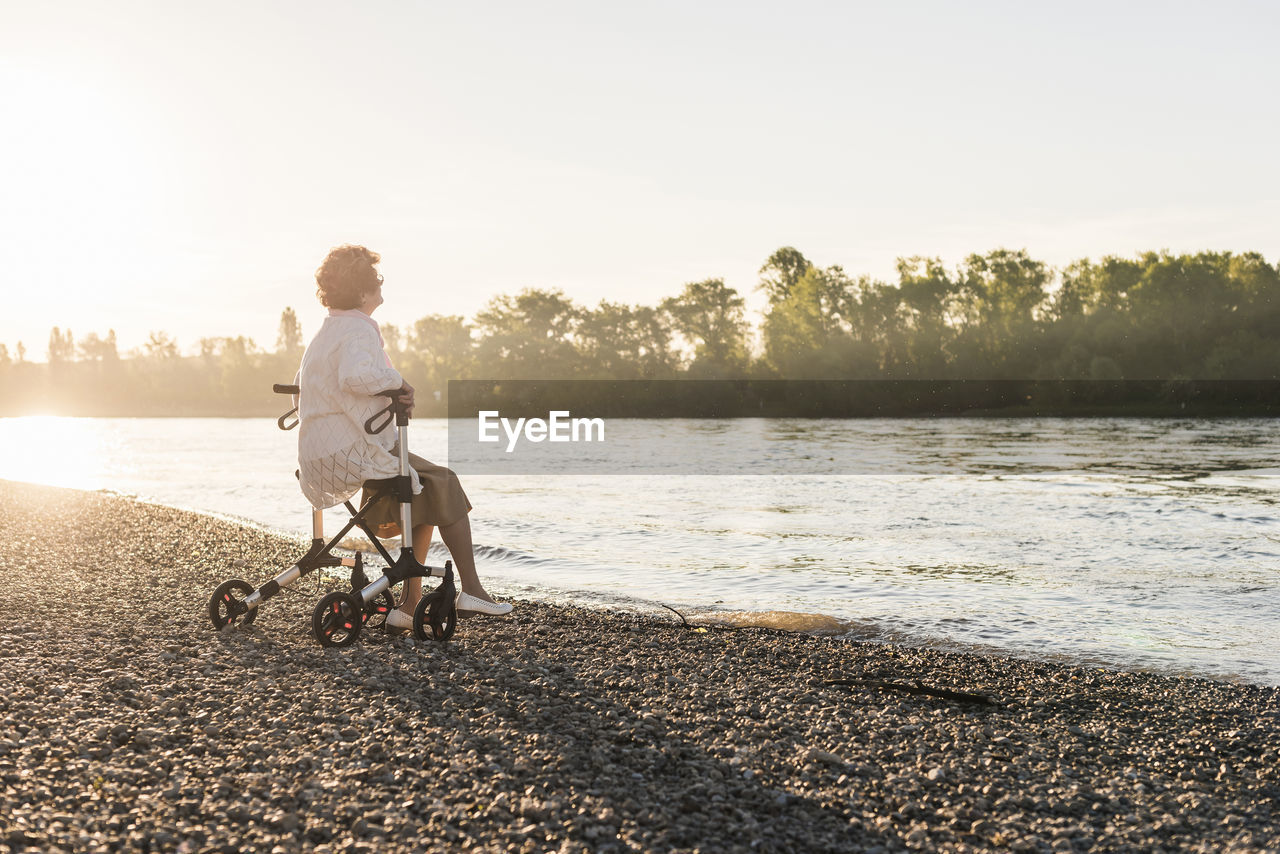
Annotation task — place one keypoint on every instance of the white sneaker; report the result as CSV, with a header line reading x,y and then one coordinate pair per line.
x,y
476,605
398,619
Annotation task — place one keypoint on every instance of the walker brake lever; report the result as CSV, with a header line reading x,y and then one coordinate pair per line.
x,y
281,388
388,411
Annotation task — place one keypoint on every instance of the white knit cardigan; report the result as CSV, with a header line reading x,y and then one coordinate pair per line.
x,y
343,367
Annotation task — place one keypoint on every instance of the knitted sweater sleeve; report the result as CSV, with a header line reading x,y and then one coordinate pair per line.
x,y
363,366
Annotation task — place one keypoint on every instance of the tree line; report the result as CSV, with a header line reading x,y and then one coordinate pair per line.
x,y
996,316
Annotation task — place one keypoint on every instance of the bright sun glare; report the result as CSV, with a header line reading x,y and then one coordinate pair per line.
x,y
73,451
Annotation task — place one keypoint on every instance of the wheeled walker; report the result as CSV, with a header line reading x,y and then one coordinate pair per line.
x,y
339,617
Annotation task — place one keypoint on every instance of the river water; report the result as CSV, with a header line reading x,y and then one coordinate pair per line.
x,y
1125,543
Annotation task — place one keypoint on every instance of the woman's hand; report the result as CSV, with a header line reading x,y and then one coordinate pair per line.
x,y
406,398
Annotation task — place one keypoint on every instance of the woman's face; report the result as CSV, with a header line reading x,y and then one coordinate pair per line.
x,y
373,298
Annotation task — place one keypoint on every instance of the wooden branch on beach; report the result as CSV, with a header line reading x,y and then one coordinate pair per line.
x,y
916,688
908,688
678,614
697,627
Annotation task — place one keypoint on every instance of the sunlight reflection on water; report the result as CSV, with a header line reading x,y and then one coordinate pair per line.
x,y
57,451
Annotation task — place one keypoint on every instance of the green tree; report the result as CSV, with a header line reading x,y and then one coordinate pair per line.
x,y
878,325
651,329
710,316
1176,303
528,336
62,346
808,333
443,344
234,370
1087,287
95,349
1087,320
1258,285
620,341
1006,288
781,272
289,337
393,340
936,308
1183,306
159,346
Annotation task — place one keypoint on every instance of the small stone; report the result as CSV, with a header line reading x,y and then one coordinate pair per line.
x,y
823,756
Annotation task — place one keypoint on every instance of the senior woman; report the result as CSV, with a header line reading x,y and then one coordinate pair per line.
x,y
343,370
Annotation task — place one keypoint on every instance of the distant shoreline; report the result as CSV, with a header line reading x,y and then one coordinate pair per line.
x,y
743,398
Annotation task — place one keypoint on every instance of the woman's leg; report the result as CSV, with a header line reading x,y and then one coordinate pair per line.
x,y
413,586
457,537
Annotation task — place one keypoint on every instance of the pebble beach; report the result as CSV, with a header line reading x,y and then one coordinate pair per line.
x,y
128,723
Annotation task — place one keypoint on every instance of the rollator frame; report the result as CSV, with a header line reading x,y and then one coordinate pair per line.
x,y
338,618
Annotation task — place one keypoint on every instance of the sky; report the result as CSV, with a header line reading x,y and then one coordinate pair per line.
x,y
184,167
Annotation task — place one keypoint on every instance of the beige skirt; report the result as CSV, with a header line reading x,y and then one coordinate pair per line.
x,y
441,501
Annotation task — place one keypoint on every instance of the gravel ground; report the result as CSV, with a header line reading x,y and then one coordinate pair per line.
x,y
127,723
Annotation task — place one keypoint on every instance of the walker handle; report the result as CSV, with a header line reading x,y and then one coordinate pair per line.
x,y
280,388
391,410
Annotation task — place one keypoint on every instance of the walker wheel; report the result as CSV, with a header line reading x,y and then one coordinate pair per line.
x,y
375,611
223,602
438,610
337,619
